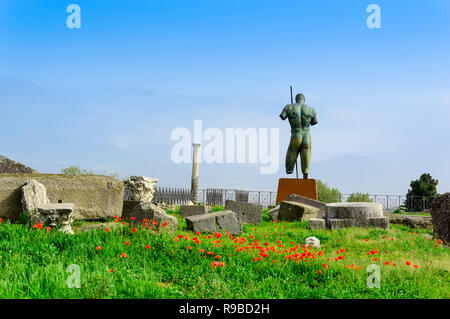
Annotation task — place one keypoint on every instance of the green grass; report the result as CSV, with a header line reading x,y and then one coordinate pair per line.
x,y
33,264
411,214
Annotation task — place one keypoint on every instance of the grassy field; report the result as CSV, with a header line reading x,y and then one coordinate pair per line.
x,y
266,261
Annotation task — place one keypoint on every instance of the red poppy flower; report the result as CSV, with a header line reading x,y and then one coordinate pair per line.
x,y
106,229
164,224
123,255
147,246
98,248
127,243
408,263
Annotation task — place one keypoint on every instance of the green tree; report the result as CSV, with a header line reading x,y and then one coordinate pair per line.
x,y
359,197
327,194
421,191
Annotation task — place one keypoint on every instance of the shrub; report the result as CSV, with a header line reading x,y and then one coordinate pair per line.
x,y
399,210
327,194
75,170
359,197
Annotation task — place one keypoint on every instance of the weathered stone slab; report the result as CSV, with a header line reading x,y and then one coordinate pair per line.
x,y
229,222
245,212
210,223
273,213
440,213
128,206
192,210
335,223
360,212
140,188
149,211
294,211
411,221
58,215
94,196
381,222
312,242
316,223
33,195
310,202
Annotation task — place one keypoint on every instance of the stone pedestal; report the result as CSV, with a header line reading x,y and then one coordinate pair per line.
x,y
303,187
140,188
57,215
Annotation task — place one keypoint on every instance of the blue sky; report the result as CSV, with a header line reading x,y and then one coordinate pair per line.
x,y
107,96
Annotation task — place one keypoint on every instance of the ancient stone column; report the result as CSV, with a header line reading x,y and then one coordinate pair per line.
x,y
194,180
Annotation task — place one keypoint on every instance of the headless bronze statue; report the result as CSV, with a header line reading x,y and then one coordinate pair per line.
x,y
301,117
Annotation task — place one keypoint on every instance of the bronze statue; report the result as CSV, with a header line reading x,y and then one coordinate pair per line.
x,y
300,116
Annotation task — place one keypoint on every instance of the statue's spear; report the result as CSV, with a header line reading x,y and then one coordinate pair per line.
x,y
296,160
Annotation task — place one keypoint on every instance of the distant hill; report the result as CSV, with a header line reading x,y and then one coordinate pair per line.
x,y
8,166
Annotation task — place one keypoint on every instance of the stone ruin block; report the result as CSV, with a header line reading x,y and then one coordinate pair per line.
x,y
360,212
381,222
336,223
58,215
34,194
316,223
140,188
128,206
192,210
440,214
94,196
310,202
148,211
245,212
210,223
36,203
295,211
312,242
273,213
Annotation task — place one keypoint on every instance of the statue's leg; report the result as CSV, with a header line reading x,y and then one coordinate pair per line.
x,y
292,153
305,153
